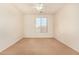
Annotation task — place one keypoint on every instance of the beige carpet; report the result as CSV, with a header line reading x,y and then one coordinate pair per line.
x,y
39,47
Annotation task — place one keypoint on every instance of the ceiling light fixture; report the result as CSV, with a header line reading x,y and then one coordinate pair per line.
x,y
39,6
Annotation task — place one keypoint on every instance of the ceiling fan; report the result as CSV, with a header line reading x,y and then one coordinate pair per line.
x,y
39,7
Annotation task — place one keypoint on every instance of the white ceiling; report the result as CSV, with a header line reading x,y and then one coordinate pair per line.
x,y
29,8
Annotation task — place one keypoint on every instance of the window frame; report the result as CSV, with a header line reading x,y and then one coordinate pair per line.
x,y
41,31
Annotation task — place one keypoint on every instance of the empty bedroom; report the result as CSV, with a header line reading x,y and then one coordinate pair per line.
x,y
39,29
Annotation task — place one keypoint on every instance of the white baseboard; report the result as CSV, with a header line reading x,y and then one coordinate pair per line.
x,y
77,50
38,37
13,42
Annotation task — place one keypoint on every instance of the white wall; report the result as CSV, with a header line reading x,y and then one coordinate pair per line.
x,y
67,26
29,27
11,25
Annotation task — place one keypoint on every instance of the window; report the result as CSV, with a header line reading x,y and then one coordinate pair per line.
x,y
41,24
